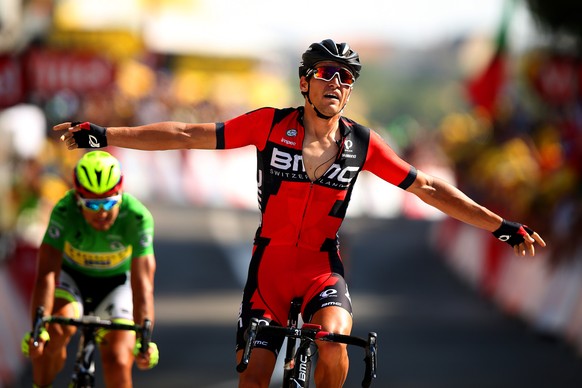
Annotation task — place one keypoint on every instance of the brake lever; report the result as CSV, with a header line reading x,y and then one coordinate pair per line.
x,y
371,359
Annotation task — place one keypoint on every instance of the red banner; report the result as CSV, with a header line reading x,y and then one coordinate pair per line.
x,y
50,71
11,85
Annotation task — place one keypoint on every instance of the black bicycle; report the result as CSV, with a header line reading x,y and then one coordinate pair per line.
x,y
298,358
83,375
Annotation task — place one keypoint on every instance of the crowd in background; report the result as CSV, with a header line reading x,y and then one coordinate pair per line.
x,y
522,159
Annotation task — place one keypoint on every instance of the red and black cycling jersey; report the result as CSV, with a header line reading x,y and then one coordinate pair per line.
x,y
295,210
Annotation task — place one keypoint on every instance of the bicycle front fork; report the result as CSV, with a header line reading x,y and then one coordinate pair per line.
x,y
84,373
299,374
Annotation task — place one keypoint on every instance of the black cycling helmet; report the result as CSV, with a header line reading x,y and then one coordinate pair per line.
x,y
328,50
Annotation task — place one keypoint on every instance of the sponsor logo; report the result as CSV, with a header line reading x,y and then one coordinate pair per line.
x,y
326,304
145,240
291,166
328,293
93,142
303,368
348,144
97,260
291,132
54,232
285,141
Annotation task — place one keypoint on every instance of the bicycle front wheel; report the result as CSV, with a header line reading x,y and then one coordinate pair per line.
x,y
83,381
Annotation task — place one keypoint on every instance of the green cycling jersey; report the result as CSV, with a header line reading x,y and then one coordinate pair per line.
x,y
100,253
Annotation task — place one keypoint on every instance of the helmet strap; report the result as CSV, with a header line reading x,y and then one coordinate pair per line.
x,y
317,112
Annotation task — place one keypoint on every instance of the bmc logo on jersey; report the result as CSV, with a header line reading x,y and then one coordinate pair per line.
x,y
285,161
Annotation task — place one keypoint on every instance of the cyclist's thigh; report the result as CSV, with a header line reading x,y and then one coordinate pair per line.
x,y
117,304
333,319
266,296
263,340
68,298
67,303
328,291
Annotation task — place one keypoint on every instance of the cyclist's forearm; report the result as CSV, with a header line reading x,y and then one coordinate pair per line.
x,y
143,307
142,285
143,300
453,202
48,271
163,136
43,294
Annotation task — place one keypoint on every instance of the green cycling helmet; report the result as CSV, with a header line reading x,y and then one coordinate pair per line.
x,y
97,172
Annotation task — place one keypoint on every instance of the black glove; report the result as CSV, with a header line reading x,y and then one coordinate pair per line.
x,y
512,233
91,135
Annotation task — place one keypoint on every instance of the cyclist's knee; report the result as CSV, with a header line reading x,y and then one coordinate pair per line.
x,y
332,354
116,348
255,376
332,365
259,371
117,356
117,362
117,378
252,381
59,338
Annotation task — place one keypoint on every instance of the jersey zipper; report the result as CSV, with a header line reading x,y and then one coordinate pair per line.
x,y
311,183
304,213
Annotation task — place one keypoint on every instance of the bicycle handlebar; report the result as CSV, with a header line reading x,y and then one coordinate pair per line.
x,y
313,333
92,321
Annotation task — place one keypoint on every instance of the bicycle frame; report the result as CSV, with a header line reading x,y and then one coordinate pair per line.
x,y
83,375
289,362
84,369
298,359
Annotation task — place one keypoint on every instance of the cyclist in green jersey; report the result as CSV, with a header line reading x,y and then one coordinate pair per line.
x,y
97,235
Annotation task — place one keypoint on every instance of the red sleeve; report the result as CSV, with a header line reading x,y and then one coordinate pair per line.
x,y
251,128
383,162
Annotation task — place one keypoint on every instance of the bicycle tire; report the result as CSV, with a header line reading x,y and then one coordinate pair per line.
x,y
83,381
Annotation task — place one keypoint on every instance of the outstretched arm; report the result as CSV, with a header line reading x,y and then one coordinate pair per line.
x,y
167,135
142,285
453,202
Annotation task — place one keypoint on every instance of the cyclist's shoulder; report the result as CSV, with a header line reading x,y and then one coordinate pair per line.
x,y
354,126
361,133
134,209
66,207
276,114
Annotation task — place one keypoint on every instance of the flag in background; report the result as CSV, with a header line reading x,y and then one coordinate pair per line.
x,y
484,88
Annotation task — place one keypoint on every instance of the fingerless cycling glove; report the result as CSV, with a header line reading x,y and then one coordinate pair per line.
x,y
25,344
90,136
154,355
512,233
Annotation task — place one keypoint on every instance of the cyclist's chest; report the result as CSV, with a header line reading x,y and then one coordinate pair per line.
x,y
285,158
97,250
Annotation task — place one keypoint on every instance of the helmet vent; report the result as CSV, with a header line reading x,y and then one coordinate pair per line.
x,y
98,172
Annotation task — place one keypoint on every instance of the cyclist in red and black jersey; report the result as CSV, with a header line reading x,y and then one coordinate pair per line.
x,y
308,161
